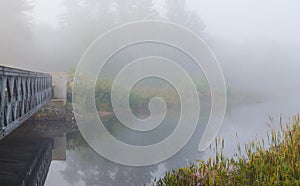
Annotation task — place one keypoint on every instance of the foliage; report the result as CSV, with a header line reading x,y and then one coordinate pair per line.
x,y
177,14
140,97
102,95
277,165
137,97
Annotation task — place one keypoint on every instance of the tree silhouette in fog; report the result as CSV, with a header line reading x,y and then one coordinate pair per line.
x,y
177,12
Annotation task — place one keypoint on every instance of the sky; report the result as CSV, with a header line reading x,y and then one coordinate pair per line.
x,y
47,12
233,19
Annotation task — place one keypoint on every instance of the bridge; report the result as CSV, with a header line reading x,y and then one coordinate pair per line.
x,y
22,94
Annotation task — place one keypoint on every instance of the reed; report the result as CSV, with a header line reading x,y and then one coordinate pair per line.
x,y
272,162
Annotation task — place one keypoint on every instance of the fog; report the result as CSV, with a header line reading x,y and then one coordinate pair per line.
x,y
256,42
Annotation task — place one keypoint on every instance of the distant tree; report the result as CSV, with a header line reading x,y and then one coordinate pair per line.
x,y
133,10
85,20
177,12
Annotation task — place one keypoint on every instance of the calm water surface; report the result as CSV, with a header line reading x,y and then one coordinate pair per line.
x,y
85,167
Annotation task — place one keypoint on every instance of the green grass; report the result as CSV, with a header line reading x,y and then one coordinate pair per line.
x,y
139,97
275,161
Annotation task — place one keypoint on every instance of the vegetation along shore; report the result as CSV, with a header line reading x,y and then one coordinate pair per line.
x,y
271,161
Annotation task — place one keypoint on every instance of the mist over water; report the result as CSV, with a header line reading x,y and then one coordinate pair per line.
x,y
256,43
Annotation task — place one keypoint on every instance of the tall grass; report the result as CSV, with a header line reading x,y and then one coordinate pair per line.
x,y
272,162
139,97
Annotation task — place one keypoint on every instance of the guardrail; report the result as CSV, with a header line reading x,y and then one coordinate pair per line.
x,y
22,93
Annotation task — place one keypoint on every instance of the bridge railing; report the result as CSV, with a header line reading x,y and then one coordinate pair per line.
x,y
22,93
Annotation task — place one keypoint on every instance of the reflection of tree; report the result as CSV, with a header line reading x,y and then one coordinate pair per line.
x,y
86,165
92,169
75,141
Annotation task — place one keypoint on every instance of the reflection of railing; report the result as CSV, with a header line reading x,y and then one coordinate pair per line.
x,y
22,93
27,163
40,166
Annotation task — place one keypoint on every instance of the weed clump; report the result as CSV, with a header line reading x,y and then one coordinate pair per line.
x,y
275,162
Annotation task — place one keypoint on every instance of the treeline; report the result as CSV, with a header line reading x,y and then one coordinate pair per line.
x,y
39,46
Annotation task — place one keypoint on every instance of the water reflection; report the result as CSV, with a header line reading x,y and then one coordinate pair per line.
x,y
75,163
82,166
53,130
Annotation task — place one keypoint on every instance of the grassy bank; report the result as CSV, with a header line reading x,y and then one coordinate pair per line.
x,y
275,161
141,95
